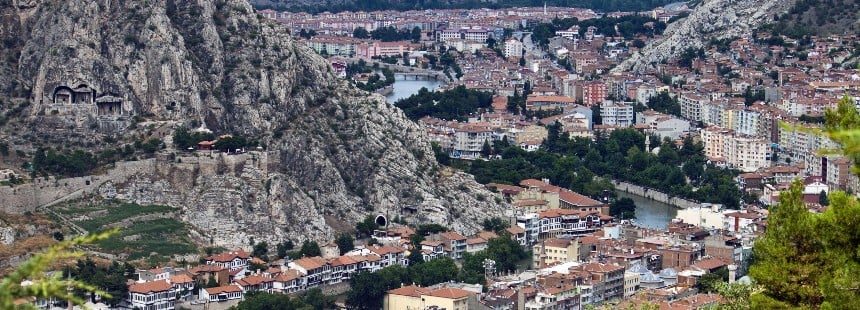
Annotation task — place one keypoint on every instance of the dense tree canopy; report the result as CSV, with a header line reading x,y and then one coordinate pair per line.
x,y
574,163
312,299
808,260
454,104
665,103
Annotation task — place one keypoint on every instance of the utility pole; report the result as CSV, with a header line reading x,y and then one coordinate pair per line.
x,y
31,167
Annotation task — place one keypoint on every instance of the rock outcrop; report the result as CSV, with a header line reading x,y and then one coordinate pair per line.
x,y
88,71
710,20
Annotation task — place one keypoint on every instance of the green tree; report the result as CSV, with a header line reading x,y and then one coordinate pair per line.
x,y
495,224
310,249
486,150
596,118
360,33
665,103
345,243
811,260
709,283
624,208
367,226
505,251
788,263
367,289
261,250
45,286
415,35
284,247
211,282
435,271
231,143
822,198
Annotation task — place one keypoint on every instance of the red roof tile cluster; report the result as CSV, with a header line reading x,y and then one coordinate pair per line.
x,y
229,256
150,287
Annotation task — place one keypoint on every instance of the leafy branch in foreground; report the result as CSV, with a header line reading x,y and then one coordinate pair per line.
x,y
42,285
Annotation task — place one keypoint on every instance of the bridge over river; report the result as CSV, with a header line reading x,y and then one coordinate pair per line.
x,y
409,73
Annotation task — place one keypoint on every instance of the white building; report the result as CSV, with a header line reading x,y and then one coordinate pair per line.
x,y
691,106
221,293
704,216
663,125
469,140
155,295
513,48
617,114
742,152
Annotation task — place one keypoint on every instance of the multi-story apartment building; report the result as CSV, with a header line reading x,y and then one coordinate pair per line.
x,y
333,45
554,250
469,140
372,49
691,106
530,222
742,152
454,241
513,48
747,122
617,113
610,279
838,170
593,93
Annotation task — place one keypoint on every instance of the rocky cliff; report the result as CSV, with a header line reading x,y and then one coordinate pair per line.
x,y
84,74
711,19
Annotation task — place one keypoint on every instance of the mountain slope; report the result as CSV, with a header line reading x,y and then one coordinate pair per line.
x,y
710,20
332,154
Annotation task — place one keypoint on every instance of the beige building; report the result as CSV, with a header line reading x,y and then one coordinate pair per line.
x,y
419,298
631,283
556,251
739,151
532,133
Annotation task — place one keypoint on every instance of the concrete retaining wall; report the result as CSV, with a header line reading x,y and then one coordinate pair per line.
x,y
655,195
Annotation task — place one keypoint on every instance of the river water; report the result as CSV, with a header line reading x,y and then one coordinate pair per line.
x,y
650,213
404,88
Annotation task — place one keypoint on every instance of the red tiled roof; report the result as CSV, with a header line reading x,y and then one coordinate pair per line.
x,y
150,287
449,293
515,230
289,275
229,256
411,290
710,264
475,241
382,250
452,236
181,279
206,268
223,289
253,280
310,263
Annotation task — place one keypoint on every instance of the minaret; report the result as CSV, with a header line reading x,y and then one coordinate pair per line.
x,y
732,273
544,8
647,143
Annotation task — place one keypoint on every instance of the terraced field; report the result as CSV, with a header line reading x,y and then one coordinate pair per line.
x,y
151,232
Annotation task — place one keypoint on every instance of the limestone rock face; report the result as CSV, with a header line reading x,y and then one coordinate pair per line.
x,y
711,19
332,154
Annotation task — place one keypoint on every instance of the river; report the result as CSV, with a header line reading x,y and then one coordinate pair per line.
x,y
407,87
650,213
